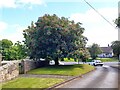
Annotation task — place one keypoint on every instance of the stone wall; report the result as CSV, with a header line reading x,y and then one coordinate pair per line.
x,y
9,71
27,65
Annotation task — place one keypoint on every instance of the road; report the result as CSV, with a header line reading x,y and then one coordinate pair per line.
x,y
102,77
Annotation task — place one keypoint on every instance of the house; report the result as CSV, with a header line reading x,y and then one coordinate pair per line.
x,y
107,52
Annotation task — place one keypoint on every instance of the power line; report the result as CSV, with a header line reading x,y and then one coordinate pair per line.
x,y
99,13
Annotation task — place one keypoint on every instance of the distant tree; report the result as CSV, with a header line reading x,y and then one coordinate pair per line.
x,y
81,54
12,52
94,50
53,37
5,43
21,50
116,48
117,22
115,43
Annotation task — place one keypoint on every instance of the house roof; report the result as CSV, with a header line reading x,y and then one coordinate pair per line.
x,y
106,49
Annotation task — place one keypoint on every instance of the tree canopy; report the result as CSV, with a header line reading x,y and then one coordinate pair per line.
x,y
116,48
117,22
94,50
52,37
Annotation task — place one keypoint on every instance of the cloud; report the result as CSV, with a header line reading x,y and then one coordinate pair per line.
x,y
17,35
7,3
97,30
91,16
80,1
20,3
3,26
39,2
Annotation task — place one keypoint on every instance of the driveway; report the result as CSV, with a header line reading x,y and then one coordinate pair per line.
x,y
102,77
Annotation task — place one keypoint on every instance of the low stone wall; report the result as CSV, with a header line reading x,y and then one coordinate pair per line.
x,y
9,71
27,65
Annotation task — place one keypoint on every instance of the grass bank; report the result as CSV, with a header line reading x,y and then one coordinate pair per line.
x,y
69,70
31,83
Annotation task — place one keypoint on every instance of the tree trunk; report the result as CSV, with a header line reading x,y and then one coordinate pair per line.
x,y
56,61
118,56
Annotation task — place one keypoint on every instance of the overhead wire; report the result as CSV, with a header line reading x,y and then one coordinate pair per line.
x,y
99,13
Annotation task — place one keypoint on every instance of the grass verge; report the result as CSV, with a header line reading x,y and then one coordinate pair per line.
x,y
69,70
108,59
23,82
105,59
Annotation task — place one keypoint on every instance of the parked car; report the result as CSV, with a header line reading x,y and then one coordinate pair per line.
x,y
96,63
52,62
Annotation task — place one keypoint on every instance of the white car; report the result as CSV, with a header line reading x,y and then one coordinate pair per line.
x,y
96,63
52,62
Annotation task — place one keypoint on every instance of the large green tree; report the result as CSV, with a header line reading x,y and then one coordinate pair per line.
x,y
94,50
116,48
53,37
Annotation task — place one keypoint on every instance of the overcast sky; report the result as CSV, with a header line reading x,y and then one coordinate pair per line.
x,y
16,15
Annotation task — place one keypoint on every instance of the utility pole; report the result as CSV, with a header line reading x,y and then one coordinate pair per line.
x,y
0,59
118,17
119,27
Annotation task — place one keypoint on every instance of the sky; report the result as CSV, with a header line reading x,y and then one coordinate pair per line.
x,y
16,15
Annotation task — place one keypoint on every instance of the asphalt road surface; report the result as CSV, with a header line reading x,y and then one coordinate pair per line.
x,y
102,77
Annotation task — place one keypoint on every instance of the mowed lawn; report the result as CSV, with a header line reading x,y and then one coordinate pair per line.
x,y
108,59
23,82
105,59
69,70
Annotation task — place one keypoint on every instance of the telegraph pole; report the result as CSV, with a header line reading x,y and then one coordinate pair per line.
x,y
118,17
0,59
119,27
